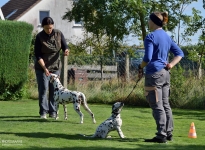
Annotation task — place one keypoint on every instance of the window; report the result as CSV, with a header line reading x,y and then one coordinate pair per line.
x,y
80,23
43,14
13,12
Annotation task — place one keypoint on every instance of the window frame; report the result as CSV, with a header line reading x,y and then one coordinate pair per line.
x,y
78,24
48,11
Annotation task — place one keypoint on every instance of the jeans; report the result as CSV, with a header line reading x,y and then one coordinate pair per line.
x,y
157,90
45,93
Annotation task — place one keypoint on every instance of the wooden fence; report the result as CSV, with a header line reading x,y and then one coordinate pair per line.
x,y
91,72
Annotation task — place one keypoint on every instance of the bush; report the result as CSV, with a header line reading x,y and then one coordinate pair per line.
x,y
15,39
177,90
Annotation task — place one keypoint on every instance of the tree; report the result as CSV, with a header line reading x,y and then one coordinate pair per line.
x,y
100,16
182,21
196,24
118,18
204,4
178,21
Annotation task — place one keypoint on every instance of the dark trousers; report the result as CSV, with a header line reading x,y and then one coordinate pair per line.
x,y
45,93
157,88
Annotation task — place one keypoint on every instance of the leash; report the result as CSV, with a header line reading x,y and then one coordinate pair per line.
x,y
133,88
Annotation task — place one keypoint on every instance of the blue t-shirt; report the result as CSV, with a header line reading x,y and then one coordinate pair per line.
x,y
157,46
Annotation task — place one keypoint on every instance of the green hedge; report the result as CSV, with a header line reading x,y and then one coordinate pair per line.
x,y
15,40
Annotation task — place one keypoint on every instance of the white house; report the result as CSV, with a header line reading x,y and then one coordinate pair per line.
x,y
33,11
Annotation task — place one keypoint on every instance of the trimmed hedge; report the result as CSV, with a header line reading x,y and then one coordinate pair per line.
x,y
15,40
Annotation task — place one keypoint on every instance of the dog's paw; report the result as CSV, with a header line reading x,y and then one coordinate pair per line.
x,y
109,137
56,118
123,137
65,118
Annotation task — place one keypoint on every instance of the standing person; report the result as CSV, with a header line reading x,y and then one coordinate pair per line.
x,y
157,78
47,48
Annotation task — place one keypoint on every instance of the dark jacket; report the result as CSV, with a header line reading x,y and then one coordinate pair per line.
x,y
48,48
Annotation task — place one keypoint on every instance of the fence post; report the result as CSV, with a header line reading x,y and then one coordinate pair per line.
x,y
199,71
64,72
101,68
127,68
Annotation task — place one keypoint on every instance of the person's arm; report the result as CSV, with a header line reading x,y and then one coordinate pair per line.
x,y
37,48
175,60
178,54
41,62
148,44
38,54
64,45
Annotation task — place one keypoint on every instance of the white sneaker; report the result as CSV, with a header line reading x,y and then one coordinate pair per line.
x,y
43,116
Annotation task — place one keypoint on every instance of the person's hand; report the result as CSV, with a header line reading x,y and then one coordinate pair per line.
x,y
46,72
140,72
169,66
66,53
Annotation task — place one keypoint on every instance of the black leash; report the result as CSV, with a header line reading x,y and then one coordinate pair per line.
x,y
133,88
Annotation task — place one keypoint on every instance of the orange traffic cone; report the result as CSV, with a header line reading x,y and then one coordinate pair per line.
x,y
192,131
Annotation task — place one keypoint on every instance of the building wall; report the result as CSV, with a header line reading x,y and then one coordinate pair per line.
x,y
57,9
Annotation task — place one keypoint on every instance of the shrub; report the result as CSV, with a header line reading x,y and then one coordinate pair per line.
x,y
15,39
177,90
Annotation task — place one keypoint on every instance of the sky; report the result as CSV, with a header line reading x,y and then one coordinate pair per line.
x,y
131,40
2,2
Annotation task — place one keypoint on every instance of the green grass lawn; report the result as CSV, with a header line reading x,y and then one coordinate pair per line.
x,y
21,128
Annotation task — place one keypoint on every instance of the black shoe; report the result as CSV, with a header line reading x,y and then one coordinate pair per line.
x,y
53,115
156,140
169,138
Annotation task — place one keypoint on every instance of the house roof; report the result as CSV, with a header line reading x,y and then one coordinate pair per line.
x,y
14,9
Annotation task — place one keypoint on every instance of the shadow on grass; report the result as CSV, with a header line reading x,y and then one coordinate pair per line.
x,y
5,117
36,120
133,141
31,119
45,135
138,147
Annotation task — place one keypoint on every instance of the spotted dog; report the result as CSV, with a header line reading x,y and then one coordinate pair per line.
x,y
111,124
64,96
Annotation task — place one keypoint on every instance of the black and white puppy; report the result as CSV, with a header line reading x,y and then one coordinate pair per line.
x,y
111,124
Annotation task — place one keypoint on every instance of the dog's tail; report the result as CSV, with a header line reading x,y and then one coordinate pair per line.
x,y
85,105
84,101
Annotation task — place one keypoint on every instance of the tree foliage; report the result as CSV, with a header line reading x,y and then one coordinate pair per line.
x,y
108,16
118,18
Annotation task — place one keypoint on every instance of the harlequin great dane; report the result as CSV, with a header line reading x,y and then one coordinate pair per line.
x,y
64,96
111,124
